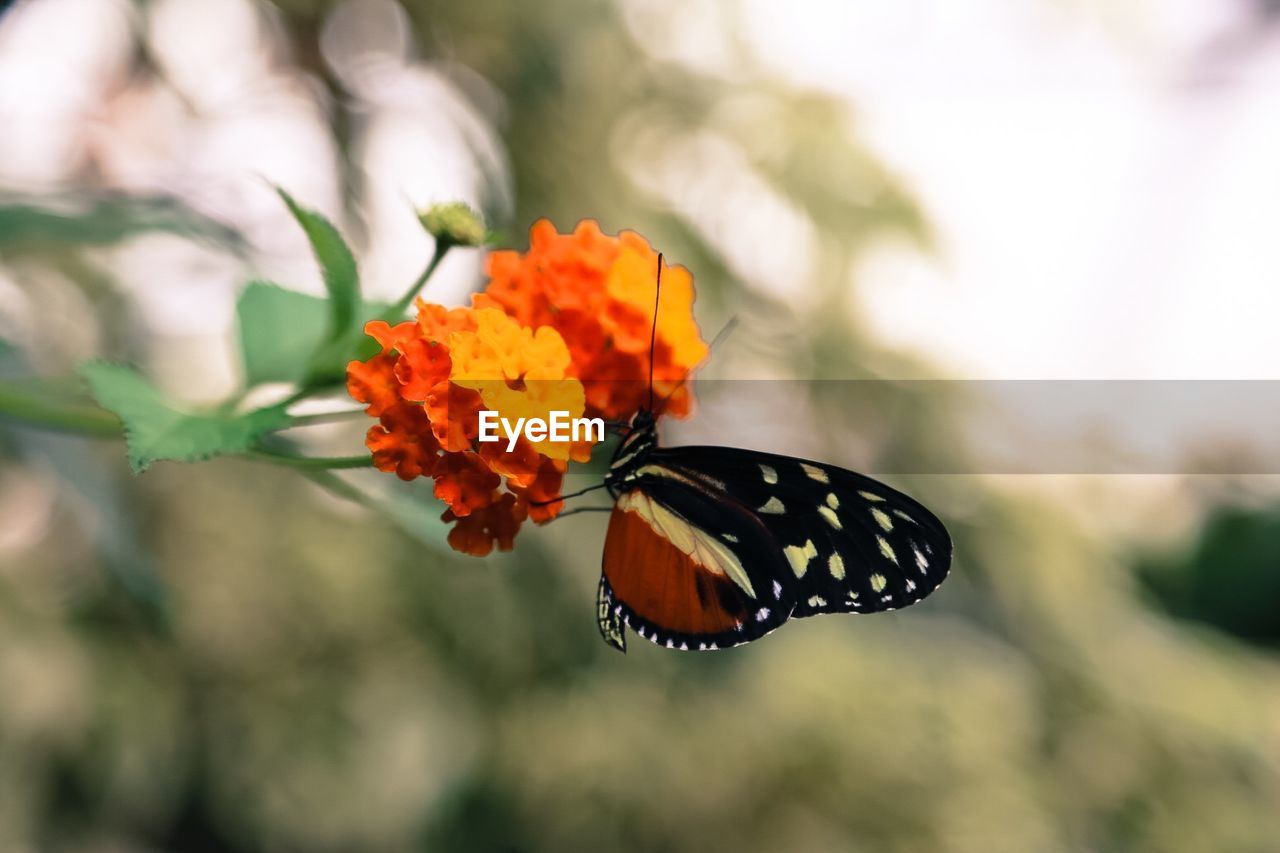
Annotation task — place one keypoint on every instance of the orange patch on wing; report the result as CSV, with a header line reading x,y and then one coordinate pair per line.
x,y
665,586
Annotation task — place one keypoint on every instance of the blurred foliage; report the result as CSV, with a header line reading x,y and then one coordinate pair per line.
x,y
1228,578
52,224
224,657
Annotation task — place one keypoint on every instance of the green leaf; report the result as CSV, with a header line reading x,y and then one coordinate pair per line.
x,y
155,429
28,223
279,331
283,337
338,265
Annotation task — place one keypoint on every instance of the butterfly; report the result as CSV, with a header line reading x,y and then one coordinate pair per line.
x,y
712,547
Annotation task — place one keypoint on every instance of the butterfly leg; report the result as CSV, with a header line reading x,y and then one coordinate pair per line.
x,y
608,618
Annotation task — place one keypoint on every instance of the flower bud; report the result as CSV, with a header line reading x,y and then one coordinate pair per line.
x,y
454,223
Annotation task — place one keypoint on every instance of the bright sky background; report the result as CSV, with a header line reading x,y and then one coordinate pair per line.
x,y
1104,180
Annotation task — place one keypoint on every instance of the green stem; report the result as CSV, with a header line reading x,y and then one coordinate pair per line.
x,y
32,408
298,396
311,463
340,487
394,314
306,392
324,417
229,405
396,311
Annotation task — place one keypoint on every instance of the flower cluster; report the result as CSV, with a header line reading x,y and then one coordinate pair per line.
x,y
597,291
563,327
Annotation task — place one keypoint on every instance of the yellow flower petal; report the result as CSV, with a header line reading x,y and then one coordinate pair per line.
x,y
631,280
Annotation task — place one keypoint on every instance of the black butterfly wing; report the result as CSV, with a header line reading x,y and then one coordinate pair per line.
x,y
849,544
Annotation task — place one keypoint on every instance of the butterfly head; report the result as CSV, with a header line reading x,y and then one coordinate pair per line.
x,y
644,421
637,443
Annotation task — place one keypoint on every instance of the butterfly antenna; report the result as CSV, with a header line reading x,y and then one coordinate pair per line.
x,y
653,331
715,342
724,332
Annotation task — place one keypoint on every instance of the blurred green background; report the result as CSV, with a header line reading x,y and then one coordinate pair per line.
x,y
224,657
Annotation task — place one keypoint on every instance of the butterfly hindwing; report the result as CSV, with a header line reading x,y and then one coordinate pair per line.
x,y
609,617
849,544
686,568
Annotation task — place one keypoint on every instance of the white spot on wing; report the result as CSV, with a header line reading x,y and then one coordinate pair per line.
x,y
922,562
729,537
799,556
817,601
815,473
762,614
836,566
871,496
777,590
878,582
770,475
831,517
773,506
670,474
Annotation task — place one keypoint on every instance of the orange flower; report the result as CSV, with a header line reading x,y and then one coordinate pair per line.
x,y
455,415
465,482
516,371
402,442
542,491
374,382
497,523
427,388
563,327
597,291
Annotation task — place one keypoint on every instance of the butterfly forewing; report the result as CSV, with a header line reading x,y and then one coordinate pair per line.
x,y
851,544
